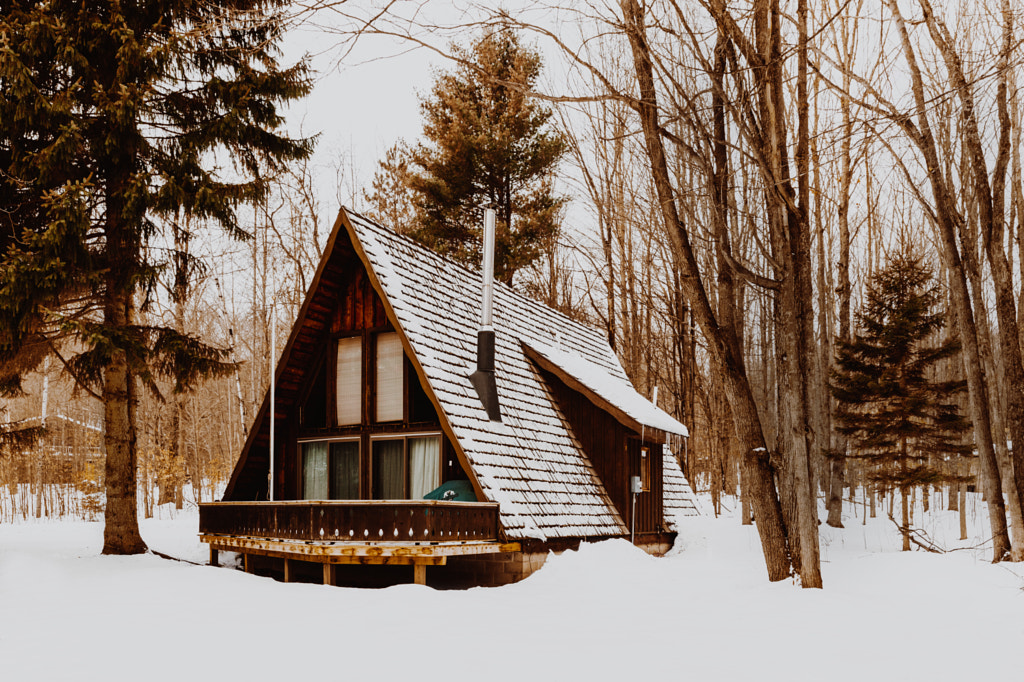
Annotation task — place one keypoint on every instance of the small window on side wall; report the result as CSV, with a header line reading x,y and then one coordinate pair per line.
x,y
645,468
349,381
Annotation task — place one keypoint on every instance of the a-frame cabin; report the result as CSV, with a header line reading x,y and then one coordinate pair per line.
x,y
375,409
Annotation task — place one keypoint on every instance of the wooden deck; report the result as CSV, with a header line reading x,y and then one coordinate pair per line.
x,y
419,533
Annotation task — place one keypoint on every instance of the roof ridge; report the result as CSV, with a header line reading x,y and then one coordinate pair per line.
x,y
507,289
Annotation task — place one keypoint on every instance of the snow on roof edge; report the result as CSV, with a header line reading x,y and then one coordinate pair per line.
x,y
612,390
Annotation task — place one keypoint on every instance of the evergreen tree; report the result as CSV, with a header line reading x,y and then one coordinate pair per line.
x,y
488,143
897,417
115,125
390,199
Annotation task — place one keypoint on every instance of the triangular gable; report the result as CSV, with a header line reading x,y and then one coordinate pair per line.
x,y
249,478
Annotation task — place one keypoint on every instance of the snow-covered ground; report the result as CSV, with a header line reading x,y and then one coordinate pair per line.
x,y
607,612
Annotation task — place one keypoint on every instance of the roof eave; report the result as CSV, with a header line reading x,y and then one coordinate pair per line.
x,y
622,417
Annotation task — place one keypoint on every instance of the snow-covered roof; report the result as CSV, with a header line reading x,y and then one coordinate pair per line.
x,y
677,496
58,417
613,392
530,462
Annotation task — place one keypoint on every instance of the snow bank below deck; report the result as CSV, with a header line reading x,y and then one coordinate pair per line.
x,y
606,612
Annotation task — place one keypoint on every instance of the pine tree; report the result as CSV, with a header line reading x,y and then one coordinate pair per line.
x,y
390,199
488,143
898,418
115,125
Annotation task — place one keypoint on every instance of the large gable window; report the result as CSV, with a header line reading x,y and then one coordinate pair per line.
x,y
350,385
389,378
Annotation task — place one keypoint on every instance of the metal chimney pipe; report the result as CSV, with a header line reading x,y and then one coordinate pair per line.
x,y
483,378
487,311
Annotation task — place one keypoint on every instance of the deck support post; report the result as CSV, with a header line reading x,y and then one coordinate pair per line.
x,y
248,563
287,570
214,557
328,574
419,574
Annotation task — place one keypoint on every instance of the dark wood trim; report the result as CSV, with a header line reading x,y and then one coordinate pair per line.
x,y
302,397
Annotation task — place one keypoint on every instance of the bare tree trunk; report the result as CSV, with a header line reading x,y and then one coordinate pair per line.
x,y
724,351
837,458
945,214
905,528
788,220
991,203
962,494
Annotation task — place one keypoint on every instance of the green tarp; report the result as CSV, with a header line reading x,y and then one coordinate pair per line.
x,y
453,491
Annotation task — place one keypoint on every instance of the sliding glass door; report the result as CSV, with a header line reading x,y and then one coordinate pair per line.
x,y
330,470
406,467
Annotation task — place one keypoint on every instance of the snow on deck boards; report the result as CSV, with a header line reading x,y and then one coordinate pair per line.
x,y
356,552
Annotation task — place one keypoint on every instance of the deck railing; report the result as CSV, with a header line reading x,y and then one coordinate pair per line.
x,y
353,520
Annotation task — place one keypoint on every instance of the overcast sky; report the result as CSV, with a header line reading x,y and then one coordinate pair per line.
x,y
360,107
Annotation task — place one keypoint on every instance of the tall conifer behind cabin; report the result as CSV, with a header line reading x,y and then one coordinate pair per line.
x,y
488,142
119,121
900,419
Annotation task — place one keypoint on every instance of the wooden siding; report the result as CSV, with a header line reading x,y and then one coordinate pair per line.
x,y
614,451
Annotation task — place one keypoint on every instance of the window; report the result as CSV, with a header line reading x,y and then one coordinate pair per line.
x,y
345,470
389,377
330,470
406,468
349,380
314,471
645,469
424,465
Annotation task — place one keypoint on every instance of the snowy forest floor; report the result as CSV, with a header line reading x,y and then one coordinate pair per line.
x,y
606,612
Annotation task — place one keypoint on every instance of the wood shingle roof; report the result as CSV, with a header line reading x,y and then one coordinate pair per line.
x,y
530,462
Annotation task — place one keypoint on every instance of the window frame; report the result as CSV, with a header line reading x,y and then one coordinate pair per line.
x,y
374,397
645,468
333,387
406,468
330,469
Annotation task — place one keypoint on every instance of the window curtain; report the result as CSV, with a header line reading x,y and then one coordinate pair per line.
x,y
424,466
389,377
314,471
350,388
388,470
345,470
